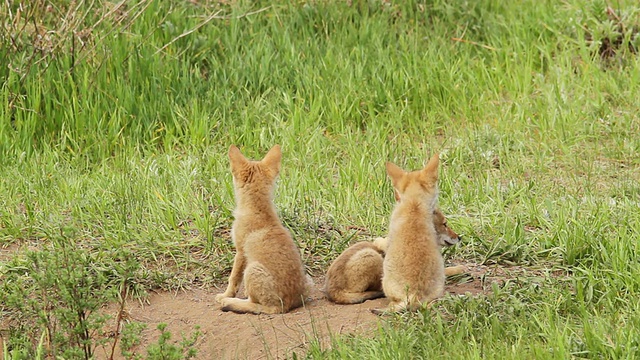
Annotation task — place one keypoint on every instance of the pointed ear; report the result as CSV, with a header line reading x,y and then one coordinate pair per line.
x,y
430,171
395,173
236,157
272,159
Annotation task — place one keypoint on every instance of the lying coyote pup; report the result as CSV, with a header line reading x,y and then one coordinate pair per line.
x,y
356,275
413,265
274,277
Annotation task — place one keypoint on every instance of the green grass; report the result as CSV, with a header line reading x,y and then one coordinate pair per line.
x,y
122,148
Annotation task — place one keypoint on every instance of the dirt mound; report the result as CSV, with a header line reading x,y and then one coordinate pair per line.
x,y
232,336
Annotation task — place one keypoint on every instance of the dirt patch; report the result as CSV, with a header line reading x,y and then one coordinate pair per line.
x,y
7,251
234,336
228,335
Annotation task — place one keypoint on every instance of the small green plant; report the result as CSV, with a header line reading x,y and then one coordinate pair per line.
x,y
611,33
164,349
22,353
52,297
130,339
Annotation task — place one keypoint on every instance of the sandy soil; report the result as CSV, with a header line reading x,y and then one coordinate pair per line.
x,y
242,336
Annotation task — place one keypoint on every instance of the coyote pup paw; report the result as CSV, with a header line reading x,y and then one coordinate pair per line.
x,y
221,297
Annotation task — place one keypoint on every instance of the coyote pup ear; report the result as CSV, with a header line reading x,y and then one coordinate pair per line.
x,y
395,173
272,159
236,157
430,171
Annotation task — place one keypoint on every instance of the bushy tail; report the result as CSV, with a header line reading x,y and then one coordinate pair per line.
x,y
354,297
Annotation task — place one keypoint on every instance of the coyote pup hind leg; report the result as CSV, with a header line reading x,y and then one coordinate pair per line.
x,y
261,291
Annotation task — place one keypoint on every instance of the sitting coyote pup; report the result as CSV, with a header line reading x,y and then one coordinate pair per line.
x,y
413,266
356,275
274,277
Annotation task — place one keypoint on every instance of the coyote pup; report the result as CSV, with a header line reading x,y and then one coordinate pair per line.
x,y
413,265
356,275
266,257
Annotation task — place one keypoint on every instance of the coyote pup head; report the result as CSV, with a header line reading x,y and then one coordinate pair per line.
x,y
420,185
254,177
446,236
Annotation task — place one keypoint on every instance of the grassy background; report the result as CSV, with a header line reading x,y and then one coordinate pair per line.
x,y
115,123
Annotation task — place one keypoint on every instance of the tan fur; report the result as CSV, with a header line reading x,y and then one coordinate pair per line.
x,y
413,265
267,259
356,275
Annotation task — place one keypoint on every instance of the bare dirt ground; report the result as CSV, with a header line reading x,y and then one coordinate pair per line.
x,y
235,336
242,336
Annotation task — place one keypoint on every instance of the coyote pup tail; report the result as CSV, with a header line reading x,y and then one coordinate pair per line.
x,y
344,297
